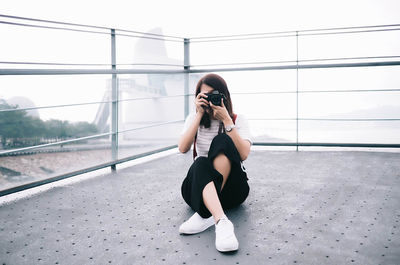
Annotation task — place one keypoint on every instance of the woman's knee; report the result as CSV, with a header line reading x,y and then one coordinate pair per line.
x,y
221,160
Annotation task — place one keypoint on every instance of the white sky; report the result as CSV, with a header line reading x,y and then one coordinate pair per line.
x,y
209,17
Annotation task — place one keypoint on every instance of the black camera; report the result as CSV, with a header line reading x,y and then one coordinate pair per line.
x,y
215,98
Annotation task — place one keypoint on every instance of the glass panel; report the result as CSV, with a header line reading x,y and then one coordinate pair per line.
x,y
140,51
150,99
381,132
52,124
366,44
350,105
273,131
139,141
243,51
50,90
250,97
383,77
28,44
46,162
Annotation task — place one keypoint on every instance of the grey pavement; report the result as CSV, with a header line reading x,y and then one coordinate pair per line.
x,y
303,208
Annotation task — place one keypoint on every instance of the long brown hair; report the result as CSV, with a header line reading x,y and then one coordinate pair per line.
x,y
217,83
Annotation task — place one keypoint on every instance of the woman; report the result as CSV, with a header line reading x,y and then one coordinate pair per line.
x,y
216,180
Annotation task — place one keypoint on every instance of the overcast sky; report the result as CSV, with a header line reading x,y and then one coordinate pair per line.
x,y
209,17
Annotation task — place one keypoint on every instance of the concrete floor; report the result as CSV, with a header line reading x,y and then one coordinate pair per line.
x,y
303,208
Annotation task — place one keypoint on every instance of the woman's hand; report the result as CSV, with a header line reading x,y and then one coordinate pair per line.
x,y
201,103
221,113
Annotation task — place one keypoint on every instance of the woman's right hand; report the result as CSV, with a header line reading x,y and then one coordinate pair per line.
x,y
201,103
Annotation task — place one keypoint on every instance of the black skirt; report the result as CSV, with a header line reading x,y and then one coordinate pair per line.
x,y
202,172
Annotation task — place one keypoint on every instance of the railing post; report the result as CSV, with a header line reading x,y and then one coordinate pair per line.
x,y
186,67
114,99
297,91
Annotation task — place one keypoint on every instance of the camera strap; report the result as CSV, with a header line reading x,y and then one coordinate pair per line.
x,y
221,129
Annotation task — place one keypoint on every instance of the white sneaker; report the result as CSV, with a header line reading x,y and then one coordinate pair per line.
x,y
225,239
196,224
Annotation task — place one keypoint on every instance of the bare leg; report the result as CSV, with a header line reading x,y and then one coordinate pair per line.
x,y
211,201
223,165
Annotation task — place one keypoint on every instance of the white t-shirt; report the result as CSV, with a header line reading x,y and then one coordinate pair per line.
x,y
206,135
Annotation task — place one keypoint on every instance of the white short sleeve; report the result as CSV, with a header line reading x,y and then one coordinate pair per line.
x,y
188,121
242,126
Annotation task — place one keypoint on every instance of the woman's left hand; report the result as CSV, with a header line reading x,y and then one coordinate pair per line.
x,y
220,112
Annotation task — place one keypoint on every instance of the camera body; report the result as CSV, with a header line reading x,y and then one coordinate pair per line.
x,y
215,98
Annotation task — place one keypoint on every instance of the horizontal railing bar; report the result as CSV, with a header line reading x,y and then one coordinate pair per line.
x,y
52,27
82,171
327,144
91,64
248,63
87,26
55,106
133,71
145,37
202,65
322,119
350,58
248,38
244,35
87,103
150,126
84,138
293,31
293,35
204,37
346,32
366,119
300,61
351,91
317,91
86,71
294,66
84,31
147,33
147,98
351,28
54,143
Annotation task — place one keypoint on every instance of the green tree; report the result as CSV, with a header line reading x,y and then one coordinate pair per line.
x,y
20,129
11,123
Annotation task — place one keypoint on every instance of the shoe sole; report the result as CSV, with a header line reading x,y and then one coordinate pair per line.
x,y
228,249
194,232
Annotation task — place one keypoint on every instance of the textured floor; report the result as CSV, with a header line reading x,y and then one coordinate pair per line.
x,y
303,208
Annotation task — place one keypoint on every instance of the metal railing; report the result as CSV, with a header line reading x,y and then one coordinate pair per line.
x,y
186,69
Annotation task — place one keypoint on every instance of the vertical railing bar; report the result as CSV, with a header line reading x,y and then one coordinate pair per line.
x,y
297,91
186,67
114,104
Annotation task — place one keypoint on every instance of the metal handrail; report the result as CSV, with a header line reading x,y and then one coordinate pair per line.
x,y
321,119
91,64
292,31
186,70
87,26
88,103
83,31
189,71
300,61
